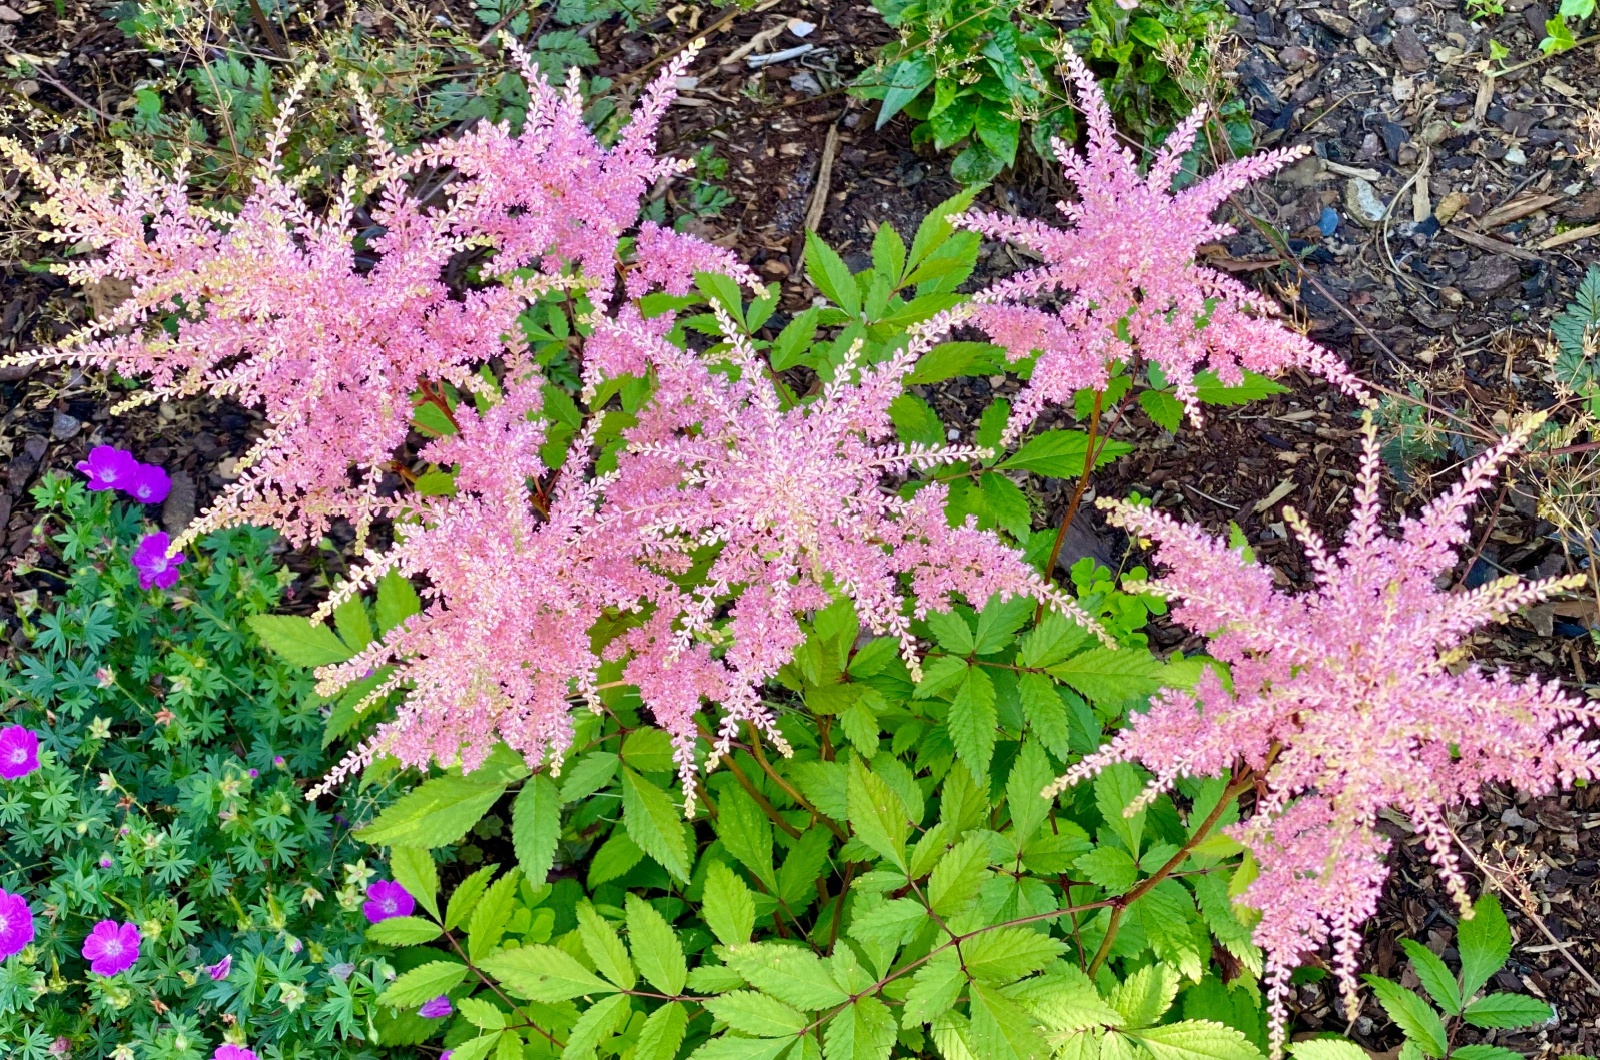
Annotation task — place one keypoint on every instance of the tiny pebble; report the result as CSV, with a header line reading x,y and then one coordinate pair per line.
x,y
63,426
1515,157
1328,223
952,434
1405,16
801,28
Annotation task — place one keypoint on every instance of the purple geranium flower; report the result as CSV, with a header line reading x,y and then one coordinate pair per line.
x,y
149,485
156,568
220,970
111,947
109,468
233,1052
19,752
16,924
385,899
436,1009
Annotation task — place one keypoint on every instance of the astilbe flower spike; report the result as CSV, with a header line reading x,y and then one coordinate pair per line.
x,y
1127,272
1346,702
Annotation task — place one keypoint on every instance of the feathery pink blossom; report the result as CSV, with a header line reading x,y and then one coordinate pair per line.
x,y
1126,269
1345,701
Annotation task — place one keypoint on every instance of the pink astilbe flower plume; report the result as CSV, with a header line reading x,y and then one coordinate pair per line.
x,y
1346,703
275,310
795,502
1126,270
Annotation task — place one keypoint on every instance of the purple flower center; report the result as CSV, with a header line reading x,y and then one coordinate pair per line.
x,y
390,905
19,755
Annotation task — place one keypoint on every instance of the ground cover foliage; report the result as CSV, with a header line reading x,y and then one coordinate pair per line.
x,y
855,855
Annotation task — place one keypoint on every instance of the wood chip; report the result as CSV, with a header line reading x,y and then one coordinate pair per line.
x,y
1517,208
1572,235
1352,171
819,197
1279,492
1489,243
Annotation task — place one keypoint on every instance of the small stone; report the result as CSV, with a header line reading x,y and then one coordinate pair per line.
x,y
1405,16
1361,201
1489,275
1449,206
168,411
63,426
805,83
1304,173
228,469
801,28
1333,22
1328,222
1409,49
1434,132
177,511
1515,157
1394,135
1451,296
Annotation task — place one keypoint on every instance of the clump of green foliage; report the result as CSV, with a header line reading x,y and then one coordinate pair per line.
x,y
1484,945
174,751
979,74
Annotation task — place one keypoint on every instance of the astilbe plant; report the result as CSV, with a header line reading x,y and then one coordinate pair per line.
x,y
1127,275
537,578
1346,701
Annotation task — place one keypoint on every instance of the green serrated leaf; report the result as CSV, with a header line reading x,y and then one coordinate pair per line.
x,y
536,827
436,813
1007,954
794,976
662,1033
413,869
1507,1010
1001,1030
754,1013
656,949
728,908
1434,976
423,984
876,814
865,1030
487,924
1484,942
404,931
1414,1016
607,951
1196,1040
299,641
1145,995
654,824
972,721
544,973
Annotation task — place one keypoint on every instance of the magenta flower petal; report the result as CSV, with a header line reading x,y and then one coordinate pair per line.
x,y
220,970
111,947
233,1052
16,924
109,468
19,752
436,1009
149,484
385,899
156,568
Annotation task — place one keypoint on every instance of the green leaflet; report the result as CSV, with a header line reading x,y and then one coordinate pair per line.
x,y
862,1031
536,826
487,924
1412,1015
662,1033
729,909
877,815
607,951
653,823
544,973
972,721
1484,942
795,976
749,1012
300,641
413,869
437,813
656,949
423,984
